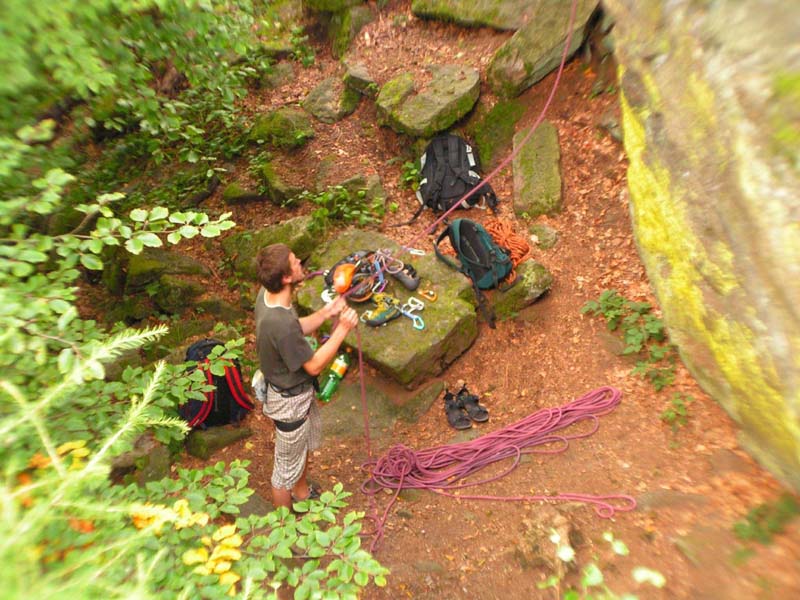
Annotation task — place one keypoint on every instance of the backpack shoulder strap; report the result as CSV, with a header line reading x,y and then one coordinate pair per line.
x,y
205,408
236,388
447,231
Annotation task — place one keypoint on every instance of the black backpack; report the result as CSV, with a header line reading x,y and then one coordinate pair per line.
x,y
480,258
449,168
227,402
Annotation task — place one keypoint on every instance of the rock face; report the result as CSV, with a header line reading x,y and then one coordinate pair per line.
x,y
451,94
711,106
407,355
535,49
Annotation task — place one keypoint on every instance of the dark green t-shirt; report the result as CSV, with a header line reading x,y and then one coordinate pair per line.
x,y
282,348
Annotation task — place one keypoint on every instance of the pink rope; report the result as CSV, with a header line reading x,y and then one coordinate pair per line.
x,y
443,469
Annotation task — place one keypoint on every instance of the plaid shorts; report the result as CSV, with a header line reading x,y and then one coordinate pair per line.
x,y
292,447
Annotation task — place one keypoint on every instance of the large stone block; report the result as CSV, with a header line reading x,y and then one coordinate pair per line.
x,y
397,350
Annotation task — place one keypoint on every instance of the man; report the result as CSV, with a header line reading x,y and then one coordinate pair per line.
x,y
290,367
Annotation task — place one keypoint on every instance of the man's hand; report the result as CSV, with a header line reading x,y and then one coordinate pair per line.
x,y
348,319
336,307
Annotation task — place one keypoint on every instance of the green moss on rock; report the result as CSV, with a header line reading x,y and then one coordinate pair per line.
x,y
493,133
242,248
286,127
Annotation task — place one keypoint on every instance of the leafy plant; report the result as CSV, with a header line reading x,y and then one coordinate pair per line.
x,y
592,584
301,51
409,179
643,334
338,205
765,520
677,414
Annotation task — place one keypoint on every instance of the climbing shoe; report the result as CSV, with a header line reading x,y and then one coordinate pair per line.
x,y
387,309
407,276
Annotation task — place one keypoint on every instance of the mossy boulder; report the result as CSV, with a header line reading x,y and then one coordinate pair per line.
x,y
358,78
331,100
175,339
242,248
500,14
404,354
370,185
130,309
275,187
544,236
287,127
533,280
536,48
537,172
173,294
202,443
343,417
330,6
493,131
392,95
451,93
235,193
149,460
345,25
221,309
152,263
277,75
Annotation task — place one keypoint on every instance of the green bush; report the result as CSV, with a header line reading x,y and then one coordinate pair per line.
x,y
644,335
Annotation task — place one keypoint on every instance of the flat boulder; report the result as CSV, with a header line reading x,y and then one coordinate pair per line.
x,y
408,356
417,111
536,48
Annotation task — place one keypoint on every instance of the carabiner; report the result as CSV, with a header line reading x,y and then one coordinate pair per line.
x,y
429,295
413,304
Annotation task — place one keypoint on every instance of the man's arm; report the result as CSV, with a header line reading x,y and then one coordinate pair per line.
x,y
325,353
313,321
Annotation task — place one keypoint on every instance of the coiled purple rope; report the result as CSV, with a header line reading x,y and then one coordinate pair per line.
x,y
443,469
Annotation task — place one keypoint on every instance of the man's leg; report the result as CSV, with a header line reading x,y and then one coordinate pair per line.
x,y
300,489
283,497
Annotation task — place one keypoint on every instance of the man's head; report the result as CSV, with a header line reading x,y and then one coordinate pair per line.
x,y
277,266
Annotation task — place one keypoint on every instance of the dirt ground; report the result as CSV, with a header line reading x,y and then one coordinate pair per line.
x,y
692,485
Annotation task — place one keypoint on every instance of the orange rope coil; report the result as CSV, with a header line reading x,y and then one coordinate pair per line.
x,y
503,234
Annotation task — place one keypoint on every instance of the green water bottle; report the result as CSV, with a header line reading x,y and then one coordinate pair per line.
x,y
335,375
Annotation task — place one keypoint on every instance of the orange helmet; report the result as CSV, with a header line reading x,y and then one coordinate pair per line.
x,y
343,277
